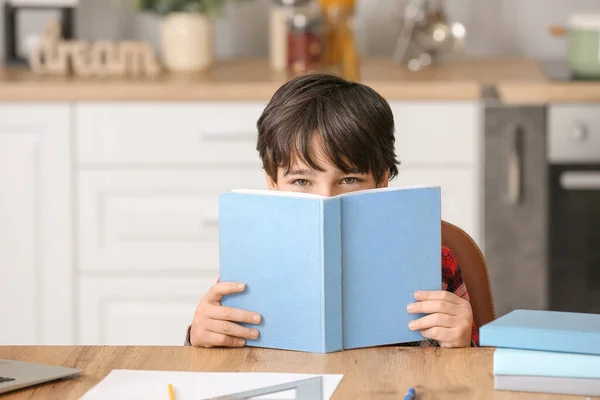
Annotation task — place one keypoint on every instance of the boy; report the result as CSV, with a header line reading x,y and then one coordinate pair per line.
x,y
322,134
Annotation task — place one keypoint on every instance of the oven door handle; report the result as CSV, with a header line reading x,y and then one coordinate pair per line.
x,y
580,180
514,165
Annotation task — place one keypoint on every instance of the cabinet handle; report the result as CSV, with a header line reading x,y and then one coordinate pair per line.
x,y
210,223
227,137
514,166
582,180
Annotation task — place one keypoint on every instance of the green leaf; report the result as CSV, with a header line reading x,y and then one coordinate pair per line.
x,y
213,8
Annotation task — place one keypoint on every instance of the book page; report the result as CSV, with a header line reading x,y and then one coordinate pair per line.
x,y
388,189
281,193
266,192
153,385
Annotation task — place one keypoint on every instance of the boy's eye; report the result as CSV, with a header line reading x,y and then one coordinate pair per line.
x,y
350,180
300,182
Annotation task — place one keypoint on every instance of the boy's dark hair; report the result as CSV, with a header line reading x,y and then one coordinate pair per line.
x,y
355,123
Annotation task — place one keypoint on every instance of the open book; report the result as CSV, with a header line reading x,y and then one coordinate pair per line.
x,y
331,273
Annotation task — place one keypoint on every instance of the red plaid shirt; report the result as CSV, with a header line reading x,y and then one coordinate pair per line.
x,y
452,281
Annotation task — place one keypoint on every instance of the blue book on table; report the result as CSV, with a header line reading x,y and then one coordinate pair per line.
x,y
546,363
544,330
331,273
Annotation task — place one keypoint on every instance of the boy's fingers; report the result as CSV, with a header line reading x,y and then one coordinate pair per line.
x,y
433,306
221,340
216,293
232,314
437,295
440,334
231,329
432,320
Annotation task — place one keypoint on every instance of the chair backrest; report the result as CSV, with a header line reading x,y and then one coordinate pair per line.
x,y
474,272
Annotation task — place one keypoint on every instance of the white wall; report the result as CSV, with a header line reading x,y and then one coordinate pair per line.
x,y
495,27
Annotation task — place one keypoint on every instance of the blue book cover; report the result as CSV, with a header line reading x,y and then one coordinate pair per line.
x,y
546,363
331,273
555,331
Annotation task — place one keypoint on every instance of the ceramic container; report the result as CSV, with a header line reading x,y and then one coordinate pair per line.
x,y
187,42
582,33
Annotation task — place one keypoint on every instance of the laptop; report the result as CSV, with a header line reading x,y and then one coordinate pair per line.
x,y
17,374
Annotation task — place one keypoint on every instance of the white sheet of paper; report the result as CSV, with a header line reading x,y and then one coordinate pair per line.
x,y
153,385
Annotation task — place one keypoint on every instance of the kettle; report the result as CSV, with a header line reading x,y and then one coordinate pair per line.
x,y
427,37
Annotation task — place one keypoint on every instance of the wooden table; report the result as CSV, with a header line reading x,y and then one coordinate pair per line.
x,y
377,373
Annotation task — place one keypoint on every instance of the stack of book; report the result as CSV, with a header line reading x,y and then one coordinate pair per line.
x,y
545,352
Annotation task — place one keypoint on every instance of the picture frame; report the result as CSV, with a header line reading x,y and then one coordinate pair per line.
x,y
12,9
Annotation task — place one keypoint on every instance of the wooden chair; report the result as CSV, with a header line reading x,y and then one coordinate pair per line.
x,y
474,271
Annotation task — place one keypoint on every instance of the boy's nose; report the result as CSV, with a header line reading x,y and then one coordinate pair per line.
x,y
326,191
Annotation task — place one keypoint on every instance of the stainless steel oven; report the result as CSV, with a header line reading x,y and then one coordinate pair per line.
x,y
573,152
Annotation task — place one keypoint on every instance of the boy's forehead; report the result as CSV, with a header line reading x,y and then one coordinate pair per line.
x,y
317,155
297,164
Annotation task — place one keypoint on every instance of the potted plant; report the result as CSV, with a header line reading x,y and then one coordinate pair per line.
x,y
186,32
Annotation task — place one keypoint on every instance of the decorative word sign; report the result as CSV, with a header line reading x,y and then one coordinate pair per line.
x,y
53,56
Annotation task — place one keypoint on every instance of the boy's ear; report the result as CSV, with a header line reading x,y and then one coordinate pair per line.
x,y
271,184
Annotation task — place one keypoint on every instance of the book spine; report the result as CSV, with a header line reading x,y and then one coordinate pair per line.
x,y
545,363
543,384
331,269
543,340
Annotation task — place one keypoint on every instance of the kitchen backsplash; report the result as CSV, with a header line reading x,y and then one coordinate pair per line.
x,y
506,27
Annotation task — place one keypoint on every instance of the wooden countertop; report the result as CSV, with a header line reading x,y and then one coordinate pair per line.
x,y
518,81
533,93
376,373
253,80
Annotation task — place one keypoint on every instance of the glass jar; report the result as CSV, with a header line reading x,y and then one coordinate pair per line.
x,y
305,39
340,46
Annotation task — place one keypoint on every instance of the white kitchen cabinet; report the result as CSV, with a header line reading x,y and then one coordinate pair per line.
x,y
36,265
138,310
109,214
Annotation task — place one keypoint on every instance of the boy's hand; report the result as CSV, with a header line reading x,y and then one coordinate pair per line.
x,y
449,320
213,326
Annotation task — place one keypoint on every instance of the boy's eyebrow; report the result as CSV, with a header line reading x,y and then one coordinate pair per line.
x,y
297,172
352,171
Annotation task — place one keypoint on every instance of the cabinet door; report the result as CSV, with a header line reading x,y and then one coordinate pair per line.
x,y
459,194
35,224
516,226
138,310
437,133
155,220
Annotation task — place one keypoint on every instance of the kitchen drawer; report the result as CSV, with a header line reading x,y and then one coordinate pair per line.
x,y
167,133
460,196
154,220
433,133
574,133
138,310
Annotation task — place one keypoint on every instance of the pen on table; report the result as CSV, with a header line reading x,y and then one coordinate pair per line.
x,y
410,395
171,392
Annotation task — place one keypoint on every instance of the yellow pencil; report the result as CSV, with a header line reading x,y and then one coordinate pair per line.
x,y
171,392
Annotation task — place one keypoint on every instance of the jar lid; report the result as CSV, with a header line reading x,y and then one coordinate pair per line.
x,y
305,21
585,21
291,3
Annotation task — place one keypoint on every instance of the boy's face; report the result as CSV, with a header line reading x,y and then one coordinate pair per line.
x,y
329,182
